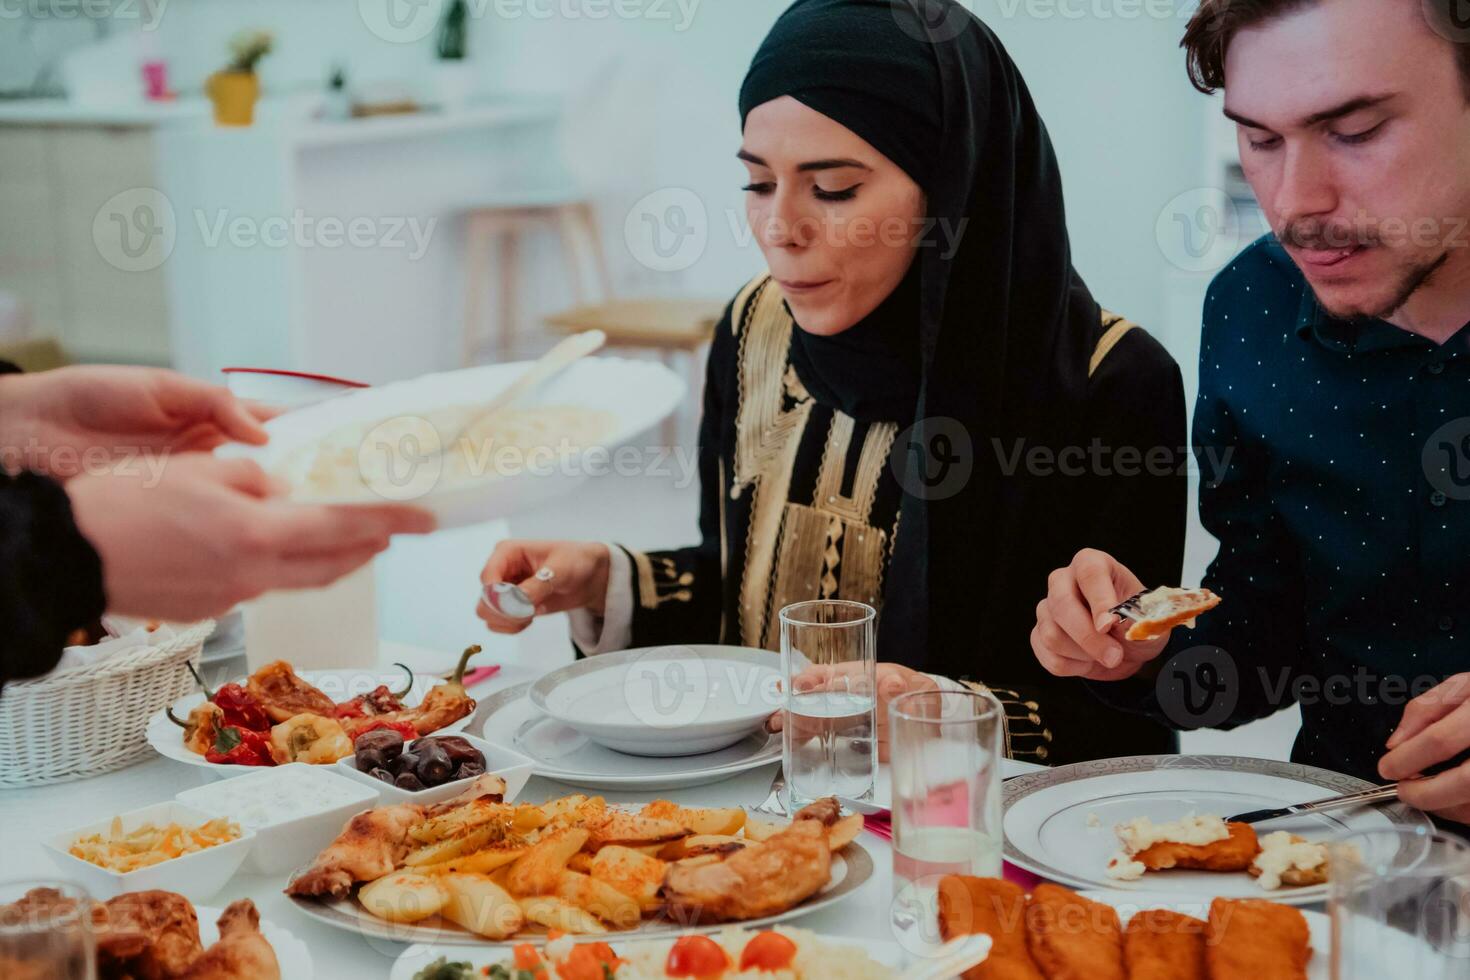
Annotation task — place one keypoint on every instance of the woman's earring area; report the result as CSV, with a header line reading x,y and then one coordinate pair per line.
x,y
509,600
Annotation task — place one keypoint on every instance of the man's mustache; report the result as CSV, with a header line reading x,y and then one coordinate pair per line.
x,y
1312,233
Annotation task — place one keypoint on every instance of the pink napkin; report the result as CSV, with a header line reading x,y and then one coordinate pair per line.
x,y
480,674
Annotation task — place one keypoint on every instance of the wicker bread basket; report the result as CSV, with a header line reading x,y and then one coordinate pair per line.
x,y
84,721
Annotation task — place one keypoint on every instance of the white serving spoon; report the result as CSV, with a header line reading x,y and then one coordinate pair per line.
x,y
549,365
951,959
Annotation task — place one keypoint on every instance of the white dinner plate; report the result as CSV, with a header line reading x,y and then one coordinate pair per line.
x,y
637,395
851,868
167,738
292,954
565,755
1048,830
420,955
667,701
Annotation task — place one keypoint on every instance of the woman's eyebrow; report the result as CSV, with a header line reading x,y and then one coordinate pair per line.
x,y
810,165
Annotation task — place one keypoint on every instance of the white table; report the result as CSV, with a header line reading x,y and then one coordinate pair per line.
x,y
32,814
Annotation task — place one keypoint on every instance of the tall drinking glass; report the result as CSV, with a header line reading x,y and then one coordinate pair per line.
x,y
1400,905
46,932
829,738
945,750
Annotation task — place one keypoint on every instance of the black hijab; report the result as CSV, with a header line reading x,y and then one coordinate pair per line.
x,y
1002,325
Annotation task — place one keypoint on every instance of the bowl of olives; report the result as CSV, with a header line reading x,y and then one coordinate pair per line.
x,y
432,768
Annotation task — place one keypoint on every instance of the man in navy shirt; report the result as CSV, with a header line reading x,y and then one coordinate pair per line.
x,y
1333,421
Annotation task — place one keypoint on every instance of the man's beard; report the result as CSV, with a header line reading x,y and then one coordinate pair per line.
x,y
1410,281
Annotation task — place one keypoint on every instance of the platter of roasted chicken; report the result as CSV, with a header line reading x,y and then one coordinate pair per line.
x,y
475,870
279,715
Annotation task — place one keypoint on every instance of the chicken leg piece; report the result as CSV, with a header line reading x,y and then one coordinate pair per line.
x,y
241,953
371,845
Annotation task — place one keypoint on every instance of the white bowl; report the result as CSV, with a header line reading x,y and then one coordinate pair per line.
x,y
665,701
196,876
285,841
514,768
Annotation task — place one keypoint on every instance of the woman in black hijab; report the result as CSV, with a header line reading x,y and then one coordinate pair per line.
x,y
920,406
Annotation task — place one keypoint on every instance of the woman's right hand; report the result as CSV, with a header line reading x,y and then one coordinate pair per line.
x,y
1077,634
555,575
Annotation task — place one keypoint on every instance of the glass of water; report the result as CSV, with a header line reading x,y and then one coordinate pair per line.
x,y
945,749
829,736
46,932
1400,905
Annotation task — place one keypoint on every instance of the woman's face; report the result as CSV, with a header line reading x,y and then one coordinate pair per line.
x,y
837,221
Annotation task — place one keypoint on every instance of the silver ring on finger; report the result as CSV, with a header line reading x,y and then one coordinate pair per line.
x,y
544,574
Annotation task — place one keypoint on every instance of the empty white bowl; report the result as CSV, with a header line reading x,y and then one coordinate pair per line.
x,y
295,811
665,701
196,876
514,768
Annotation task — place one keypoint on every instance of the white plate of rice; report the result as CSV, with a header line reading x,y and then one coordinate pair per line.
x,y
817,957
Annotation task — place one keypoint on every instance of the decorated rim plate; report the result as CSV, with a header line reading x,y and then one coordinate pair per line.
x,y
420,955
167,738
292,954
635,394
565,755
1048,831
632,701
851,868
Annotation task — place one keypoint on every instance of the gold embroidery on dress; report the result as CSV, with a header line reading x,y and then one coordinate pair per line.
x,y
659,580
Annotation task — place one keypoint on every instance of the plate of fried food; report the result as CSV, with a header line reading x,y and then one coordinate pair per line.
x,y
163,935
278,715
478,871
732,952
1157,824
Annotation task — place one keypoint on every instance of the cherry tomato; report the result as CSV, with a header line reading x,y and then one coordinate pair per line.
x,y
768,952
696,956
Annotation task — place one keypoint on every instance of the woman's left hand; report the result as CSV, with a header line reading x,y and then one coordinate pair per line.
x,y
892,679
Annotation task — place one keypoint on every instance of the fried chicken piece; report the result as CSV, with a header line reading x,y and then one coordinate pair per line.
x,y
1234,853
37,906
283,695
1073,938
757,881
997,908
826,810
150,935
1163,945
1253,939
241,953
371,845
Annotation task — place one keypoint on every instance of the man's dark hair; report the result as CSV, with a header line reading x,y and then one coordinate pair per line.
x,y
1216,22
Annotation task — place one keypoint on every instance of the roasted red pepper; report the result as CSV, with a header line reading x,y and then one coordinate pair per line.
x,y
241,708
379,701
235,746
404,728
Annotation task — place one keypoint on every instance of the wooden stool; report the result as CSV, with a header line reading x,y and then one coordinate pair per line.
x,y
672,327
504,222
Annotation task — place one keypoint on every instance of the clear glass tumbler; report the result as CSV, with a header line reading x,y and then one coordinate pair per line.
x,y
1399,899
829,731
945,752
46,932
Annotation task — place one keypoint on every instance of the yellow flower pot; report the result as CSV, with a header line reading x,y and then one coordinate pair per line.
x,y
234,94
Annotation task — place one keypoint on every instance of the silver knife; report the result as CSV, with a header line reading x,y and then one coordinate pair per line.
x,y
1378,794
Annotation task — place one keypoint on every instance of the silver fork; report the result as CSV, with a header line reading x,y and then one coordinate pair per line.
x,y
771,806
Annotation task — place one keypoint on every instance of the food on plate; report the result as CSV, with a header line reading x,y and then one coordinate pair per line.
x,y
428,762
996,907
1073,938
313,739
1253,939
124,851
1196,842
1286,859
154,935
381,700
1157,611
1160,944
573,864
783,952
284,695
359,459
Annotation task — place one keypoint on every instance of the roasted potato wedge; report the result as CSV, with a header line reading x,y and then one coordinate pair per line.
x,y
481,906
632,829
598,897
482,861
699,821
634,874
700,861
453,847
581,862
844,831
461,820
536,872
758,829
697,844
565,806
557,913
403,897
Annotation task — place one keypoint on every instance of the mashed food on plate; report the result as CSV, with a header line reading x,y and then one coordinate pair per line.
x,y
404,456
